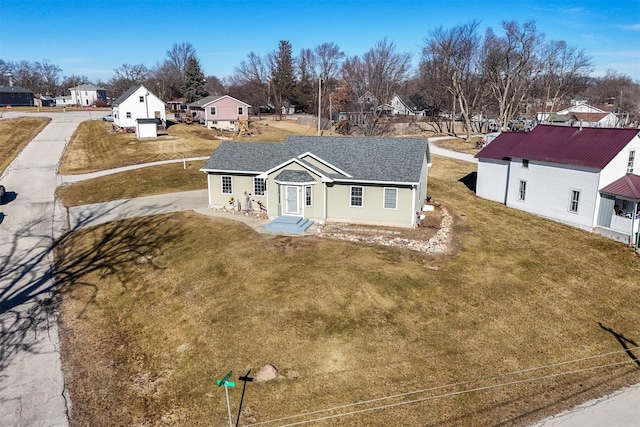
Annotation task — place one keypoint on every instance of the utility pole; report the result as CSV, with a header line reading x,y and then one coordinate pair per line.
x,y
319,103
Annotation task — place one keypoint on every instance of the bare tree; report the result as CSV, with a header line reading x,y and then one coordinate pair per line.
x,y
327,61
565,73
511,66
49,76
452,55
126,76
179,54
250,81
372,81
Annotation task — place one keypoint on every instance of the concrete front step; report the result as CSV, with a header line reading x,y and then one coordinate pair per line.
x,y
289,224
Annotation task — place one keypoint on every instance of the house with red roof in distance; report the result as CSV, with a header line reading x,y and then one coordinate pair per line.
x,y
580,114
583,177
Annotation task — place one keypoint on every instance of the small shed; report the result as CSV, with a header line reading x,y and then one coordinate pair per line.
x,y
147,128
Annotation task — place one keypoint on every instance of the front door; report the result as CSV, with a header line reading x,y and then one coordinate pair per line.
x,y
291,202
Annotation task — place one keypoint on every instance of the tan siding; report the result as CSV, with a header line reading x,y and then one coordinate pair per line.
x,y
372,211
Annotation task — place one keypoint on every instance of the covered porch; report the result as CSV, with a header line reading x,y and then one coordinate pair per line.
x,y
619,214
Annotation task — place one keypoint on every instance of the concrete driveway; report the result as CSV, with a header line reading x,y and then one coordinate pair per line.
x,y
31,384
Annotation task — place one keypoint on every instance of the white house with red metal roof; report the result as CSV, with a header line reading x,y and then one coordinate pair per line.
x,y
566,174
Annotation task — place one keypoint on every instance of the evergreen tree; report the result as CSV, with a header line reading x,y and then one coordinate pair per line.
x,y
193,81
283,81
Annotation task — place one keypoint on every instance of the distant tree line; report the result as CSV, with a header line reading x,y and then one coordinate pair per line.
x,y
462,74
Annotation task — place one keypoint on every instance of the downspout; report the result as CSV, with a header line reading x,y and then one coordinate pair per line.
x,y
506,190
266,187
633,239
324,208
412,222
209,189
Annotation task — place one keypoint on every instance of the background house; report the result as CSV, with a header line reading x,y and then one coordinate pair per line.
x,y
138,103
15,96
221,112
561,173
579,114
88,94
358,180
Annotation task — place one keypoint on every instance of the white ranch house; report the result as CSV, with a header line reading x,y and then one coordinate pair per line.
x,y
318,179
583,177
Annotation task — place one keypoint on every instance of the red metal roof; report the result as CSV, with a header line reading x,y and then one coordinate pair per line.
x,y
628,186
589,147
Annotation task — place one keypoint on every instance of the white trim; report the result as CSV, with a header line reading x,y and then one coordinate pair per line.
x,y
364,182
277,181
286,201
299,162
226,172
384,198
324,162
351,196
579,191
222,184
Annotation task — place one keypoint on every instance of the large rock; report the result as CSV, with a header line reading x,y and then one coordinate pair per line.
x,y
267,373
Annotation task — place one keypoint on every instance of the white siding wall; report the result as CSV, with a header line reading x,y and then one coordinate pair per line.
x,y
548,191
138,110
491,181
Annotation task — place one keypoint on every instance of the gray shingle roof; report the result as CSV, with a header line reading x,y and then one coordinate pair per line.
x,y
364,158
126,94
294,176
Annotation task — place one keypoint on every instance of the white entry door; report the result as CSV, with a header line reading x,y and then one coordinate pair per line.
x,y
291,202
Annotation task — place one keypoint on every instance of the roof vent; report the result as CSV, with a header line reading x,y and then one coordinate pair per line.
x,y
580,125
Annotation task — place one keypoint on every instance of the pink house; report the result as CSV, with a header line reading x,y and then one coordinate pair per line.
x,y
222,112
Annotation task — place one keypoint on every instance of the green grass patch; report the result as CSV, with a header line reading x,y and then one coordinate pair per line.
x,y
154,310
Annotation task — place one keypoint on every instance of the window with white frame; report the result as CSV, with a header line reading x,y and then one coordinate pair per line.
x,y
128,114
632,157
307,196
357,196
525,163
227,186
390,198
212,111
574,201
259,186
240,111
522,190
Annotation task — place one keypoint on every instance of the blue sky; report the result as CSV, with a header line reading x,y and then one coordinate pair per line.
x,y
92,37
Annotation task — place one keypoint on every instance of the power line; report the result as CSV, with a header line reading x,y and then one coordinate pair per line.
x,y
424,390
455,393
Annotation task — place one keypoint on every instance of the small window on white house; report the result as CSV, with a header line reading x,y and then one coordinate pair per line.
x,y
240,111
357,196
525,163
522,190
632,157
141,98
128,114
307,196
259,186
390,198
574,202
227,187
212,111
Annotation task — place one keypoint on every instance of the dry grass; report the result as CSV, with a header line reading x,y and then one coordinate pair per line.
x,y
95,147
459,144
136,183
154,310
15,134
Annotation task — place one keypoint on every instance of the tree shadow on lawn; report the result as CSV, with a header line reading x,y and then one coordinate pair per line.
x,y
31,284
